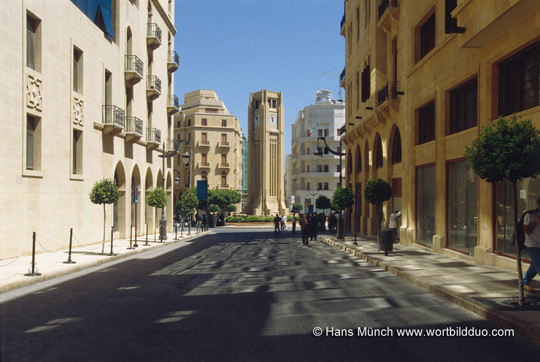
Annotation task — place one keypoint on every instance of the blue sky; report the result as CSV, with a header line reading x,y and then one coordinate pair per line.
x,y
240,46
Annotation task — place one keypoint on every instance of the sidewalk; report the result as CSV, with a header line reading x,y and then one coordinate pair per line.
x,y
51,264
485,290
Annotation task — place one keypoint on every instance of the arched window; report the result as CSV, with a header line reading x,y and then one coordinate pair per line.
x,y
396,147
358,160
378,153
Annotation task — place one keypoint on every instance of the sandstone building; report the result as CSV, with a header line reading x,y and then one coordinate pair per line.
x,y
88,94
213,137
421,78
311,175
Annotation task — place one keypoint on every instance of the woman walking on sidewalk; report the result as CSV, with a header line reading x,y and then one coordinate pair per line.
x,y
304,227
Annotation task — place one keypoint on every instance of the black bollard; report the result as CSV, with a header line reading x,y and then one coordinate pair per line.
x,y
146,236
69,261
33,273
112,236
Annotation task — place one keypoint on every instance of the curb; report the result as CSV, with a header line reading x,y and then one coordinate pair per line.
x,y
500,318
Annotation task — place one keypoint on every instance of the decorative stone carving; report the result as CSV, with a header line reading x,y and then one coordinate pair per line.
x,y
323,95
78,111
33,93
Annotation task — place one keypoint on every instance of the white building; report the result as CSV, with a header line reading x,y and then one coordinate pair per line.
x,y
87,94
311,175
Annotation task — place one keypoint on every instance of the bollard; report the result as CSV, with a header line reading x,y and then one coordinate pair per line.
x,y
34,273
112,236
146,235
69,261
130,238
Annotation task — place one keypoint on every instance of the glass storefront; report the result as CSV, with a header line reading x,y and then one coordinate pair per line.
x,y
528,191
462,231
425,204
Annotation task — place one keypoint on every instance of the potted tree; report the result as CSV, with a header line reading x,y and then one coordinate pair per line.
x,y
508,148
343,198
156,198
376,192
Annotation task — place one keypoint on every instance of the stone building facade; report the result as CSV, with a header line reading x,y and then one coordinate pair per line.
x,y
88,94
421,78
213,137
312,174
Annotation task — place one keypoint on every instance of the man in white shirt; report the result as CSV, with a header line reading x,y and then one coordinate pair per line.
x,y
531,227
393,225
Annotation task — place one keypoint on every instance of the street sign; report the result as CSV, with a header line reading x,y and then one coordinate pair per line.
x,y
135,195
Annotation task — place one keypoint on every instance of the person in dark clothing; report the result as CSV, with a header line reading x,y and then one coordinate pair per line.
x,y
304,227
314,225
294,223
277,225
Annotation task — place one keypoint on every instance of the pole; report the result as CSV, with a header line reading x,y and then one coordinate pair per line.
x,y
340,165
146,235
136,204
355,211
69,261
112,237
33,273
163,221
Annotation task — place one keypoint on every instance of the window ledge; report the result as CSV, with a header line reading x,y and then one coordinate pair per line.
x,y
33,173
76,177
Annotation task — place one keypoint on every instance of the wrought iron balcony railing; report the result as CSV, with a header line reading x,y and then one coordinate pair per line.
x,y
342,76
134,126
113,115
134,64
388,91
154,32
172,101
153,135
153,83
173,60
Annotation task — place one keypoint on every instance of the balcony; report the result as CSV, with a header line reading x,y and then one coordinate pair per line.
x,y
173,105
113,119
342,76
153,87
224,165
133,69
203,165
153,35
224,144
342,23
134,129
173,61
388,14
204,144
224,186
387,98
153,137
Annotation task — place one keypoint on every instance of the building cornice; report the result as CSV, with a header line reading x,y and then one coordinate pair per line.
x,y
165,16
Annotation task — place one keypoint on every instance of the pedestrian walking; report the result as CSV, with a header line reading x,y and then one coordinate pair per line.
x,y
531,226
332,222
283,223
393,225
294,224
314,226
304,228
277,225
204,222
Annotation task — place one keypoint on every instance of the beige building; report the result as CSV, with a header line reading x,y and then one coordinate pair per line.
x,y
87,94
266,121
213,137
314,171
421,78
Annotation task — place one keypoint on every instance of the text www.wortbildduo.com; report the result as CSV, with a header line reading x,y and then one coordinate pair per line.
x,y
411,332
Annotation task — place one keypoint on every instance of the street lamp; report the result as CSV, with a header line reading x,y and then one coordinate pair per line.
x,y
186,156
337,153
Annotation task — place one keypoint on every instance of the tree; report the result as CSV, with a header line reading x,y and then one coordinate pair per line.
x,y
187,203
213,208
343,198
508,148
224,198
376,192
322,202
156,198
231,208
297,208
104,192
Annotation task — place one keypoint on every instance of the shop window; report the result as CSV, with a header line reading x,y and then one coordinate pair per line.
x,y
426,123
462,233
464,107
519,81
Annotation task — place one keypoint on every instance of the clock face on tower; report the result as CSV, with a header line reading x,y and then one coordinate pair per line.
x,y
256,120
272,120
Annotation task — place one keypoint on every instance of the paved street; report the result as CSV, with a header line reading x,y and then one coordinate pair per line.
x,y
243,296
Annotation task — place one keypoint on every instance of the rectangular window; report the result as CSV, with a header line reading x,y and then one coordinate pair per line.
x,y
337,168
325,186
189,122
326,132
425,205
462,233
223,160
224,139
223,123
204,138
464,107
319,168
325,168
33,143
366,83
308,187
426,123
427,36
320,132
33,43
308,168
77,71
204,122
319,186
204,159
519,81
77,153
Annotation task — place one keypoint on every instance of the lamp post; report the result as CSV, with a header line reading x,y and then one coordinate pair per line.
x,y
312,196
185,156
337,153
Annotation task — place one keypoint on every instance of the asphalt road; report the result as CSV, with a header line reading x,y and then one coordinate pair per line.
x,y
243,295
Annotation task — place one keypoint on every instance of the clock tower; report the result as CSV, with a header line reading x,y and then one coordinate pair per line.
x,y
266,179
